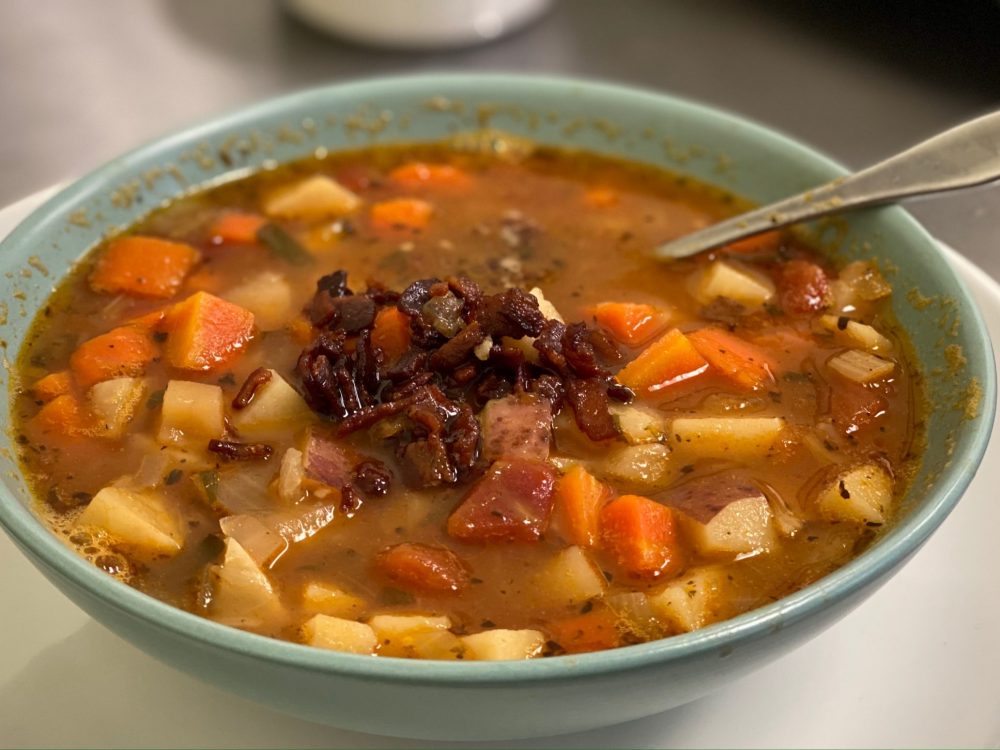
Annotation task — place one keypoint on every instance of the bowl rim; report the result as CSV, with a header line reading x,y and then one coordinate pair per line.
x,y
57,559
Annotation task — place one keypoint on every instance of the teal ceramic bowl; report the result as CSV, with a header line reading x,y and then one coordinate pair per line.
x,y
453,700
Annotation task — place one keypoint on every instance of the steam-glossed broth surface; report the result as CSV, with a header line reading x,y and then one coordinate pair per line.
x,y
424,402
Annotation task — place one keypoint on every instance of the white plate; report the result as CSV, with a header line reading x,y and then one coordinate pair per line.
x,y
918,665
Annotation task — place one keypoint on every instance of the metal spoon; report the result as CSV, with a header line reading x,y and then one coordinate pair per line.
x,y
964,156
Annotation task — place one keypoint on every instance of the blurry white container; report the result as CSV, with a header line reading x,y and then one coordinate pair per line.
x,y
418,24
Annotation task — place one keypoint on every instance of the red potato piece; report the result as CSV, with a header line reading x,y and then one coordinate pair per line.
x,y
517,426
512,502
326,461
702,499
420,567
803,288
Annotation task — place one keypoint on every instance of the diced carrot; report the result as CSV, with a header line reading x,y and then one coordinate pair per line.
x,y
642,536
594,631
740,361
53,385
236,229
579,499
668,360
767,242
65,415
600,197
143,267
787,347
301,330
421,567
205,332
855,408
149,321
803,287
392,333
631,323
401,215
121,352
417,174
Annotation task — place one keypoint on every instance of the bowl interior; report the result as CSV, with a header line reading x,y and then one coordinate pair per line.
x,y
948,335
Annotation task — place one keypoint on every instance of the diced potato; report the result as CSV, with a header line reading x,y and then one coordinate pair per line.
x,y
398,635
547,308
276,410
141,520
640,424
571,578
482,350
860,367
503,645
742,527
192,412
854,334
336,634
435,644
694,600
243,595
639,467
315,197
113,403
859,495
268,296
325,599
526,344
742,285
737,438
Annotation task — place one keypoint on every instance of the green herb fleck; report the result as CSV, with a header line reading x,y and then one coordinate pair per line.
x,y
394,597
282,244
173,477
207,484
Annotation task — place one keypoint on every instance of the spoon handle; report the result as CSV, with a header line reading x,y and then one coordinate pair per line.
x,y
964,156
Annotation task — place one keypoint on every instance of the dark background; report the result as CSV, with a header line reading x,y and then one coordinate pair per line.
x,y
83,81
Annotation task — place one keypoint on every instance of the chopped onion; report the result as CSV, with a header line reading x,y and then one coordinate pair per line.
x,y
860,367
152,470
865,280
243,489
261,542
854,334
299,525
445,314
291,475
636,614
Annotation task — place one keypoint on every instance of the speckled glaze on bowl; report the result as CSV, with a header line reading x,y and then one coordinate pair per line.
x,y
449,700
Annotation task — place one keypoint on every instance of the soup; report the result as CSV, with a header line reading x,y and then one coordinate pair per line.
x,y
430,402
